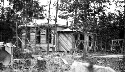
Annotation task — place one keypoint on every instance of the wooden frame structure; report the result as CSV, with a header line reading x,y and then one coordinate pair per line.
x,y
69,39
117,43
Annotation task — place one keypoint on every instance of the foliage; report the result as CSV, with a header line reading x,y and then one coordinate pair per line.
x,y
55,64
88,15
92,16
28,8
5,32
20,12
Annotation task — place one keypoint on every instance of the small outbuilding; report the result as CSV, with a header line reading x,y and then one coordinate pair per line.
x,y
69,39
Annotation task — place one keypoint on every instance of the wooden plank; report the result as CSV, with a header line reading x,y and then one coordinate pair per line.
x,y
65,41
62,48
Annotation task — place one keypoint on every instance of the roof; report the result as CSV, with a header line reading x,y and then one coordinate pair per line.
x,y
68,30
40,22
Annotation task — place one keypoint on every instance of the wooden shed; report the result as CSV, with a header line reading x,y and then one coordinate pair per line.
x,y
69,39
65,40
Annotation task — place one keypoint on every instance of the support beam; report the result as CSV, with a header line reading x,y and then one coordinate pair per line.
x,y
55,31
48,29
17,34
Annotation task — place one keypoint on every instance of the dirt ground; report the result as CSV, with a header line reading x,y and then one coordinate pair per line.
x,y
113,61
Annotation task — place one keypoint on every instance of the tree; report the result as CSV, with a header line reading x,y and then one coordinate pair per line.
x,y
91,16
82,12
21,12
88,13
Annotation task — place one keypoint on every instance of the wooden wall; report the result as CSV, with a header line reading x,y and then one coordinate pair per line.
x,y
65,40
43,37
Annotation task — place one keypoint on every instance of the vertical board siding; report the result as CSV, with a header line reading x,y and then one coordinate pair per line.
x,y
65,41
42,36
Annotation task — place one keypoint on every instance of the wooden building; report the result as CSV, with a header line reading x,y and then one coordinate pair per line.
x,y
37,37
68,39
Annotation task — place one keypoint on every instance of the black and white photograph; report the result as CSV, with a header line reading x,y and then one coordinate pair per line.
x,y
62,36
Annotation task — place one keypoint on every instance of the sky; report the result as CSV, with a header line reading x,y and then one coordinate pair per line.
x,y
111,8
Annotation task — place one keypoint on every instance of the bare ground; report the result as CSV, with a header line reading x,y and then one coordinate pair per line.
x,y
114,61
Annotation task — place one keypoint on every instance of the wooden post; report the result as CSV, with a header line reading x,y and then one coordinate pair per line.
x,y
12,56
48,29
35,36
48,40
17,34
55,31
26,36
75,21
